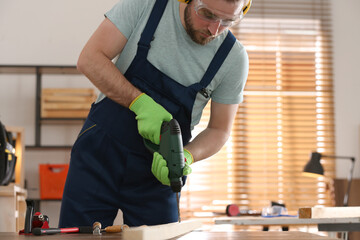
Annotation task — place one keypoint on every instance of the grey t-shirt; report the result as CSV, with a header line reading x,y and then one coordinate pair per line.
x,y
175,54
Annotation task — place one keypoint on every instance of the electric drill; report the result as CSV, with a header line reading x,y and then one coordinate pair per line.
x,y
171,148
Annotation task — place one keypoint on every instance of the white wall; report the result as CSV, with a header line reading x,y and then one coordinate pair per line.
x,y
43,32
346,39
47,31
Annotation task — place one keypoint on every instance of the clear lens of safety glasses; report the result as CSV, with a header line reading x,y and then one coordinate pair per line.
x,y
208,15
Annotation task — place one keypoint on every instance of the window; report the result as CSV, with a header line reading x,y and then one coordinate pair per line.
x,y
287,113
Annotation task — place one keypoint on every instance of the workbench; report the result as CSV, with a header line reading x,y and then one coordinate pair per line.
x,y
203,235
335,224
286,221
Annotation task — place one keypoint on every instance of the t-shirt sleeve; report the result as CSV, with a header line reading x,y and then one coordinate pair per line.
x,y
230,90
125,15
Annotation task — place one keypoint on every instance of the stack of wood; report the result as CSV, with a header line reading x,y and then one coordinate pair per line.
x,y
66,102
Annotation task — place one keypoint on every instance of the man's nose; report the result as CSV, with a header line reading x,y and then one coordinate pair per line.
x,y
214,28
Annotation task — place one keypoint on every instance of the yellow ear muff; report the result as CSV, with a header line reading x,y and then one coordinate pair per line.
x,y
247,7
185,1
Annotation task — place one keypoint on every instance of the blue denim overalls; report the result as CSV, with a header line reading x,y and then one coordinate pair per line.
x,y
110,167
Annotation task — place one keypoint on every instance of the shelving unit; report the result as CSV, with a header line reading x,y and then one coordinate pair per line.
x,y
18,133
13,196
39,71
12,207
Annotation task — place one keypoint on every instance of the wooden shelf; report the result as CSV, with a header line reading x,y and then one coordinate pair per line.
x,y
12,207
41,69
38,71
49,147
13,196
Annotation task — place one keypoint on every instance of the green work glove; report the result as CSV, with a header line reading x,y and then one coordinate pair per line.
x,y
189,159
161,171
150,116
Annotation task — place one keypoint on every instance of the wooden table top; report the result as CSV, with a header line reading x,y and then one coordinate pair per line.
x,y
201,235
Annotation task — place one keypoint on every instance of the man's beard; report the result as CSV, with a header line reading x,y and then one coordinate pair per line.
x,y
193,33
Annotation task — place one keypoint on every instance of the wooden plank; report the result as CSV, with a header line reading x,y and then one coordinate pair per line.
x,y
68,91
159,232
74,98
67,106
329,212
304,212
65,114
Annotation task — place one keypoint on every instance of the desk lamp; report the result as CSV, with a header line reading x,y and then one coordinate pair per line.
x,y
314,168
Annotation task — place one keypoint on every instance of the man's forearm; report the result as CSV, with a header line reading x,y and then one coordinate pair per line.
x,y
207,143
107,78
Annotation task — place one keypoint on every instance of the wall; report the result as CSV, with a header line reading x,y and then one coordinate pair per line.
x,y
346,38
48,33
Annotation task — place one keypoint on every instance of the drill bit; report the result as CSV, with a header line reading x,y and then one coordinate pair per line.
x,y
178,205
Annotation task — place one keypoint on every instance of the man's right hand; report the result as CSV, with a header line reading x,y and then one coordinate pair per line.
x,y
150,116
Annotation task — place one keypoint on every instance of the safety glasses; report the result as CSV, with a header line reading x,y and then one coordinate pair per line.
x,y
207,14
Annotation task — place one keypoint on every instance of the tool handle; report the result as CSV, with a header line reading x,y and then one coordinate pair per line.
x,y
85,229
116,228
171,148
44,231
47,231
29,216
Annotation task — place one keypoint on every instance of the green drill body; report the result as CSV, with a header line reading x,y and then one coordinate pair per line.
x,y
171,148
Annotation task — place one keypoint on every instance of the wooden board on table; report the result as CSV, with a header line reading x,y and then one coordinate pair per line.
x,y
329,212
159,232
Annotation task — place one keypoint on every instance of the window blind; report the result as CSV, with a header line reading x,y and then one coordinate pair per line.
x,y
287,113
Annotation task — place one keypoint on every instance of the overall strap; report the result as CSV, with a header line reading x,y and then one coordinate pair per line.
x,y
150,28
216,62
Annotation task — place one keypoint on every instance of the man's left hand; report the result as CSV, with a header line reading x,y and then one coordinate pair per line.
x,y
161,171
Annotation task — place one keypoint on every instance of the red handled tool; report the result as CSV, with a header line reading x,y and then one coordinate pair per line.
x,y
48,231
233,210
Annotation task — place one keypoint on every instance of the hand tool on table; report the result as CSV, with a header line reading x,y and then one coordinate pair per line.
x,y
95,229
49,231
28,217
234,210
110,229
171,148
33,220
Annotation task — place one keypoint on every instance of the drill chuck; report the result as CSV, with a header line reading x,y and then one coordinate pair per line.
x,y
176,185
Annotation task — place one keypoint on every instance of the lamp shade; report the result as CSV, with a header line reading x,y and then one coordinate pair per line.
x,y
314,169
314,166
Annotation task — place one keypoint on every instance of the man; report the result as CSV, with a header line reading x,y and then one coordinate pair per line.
x,y
173,57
